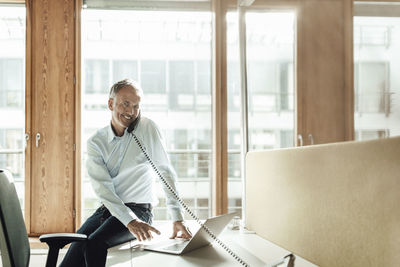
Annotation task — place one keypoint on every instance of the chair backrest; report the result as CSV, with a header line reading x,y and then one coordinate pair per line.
x,y
14,242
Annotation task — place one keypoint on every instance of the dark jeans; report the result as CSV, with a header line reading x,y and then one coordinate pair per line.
x,y
104,231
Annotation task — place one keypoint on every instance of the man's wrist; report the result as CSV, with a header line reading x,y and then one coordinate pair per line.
x,y
134,221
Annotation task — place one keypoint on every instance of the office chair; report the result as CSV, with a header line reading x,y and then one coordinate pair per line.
x,y
14,242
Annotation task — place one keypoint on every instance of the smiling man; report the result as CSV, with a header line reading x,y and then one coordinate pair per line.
x,y
123,180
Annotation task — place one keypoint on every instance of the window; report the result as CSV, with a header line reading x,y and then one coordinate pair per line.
x,y
270,82
123,69
203,85
11,82
261,139
169,53
372,80
371,134
203,77
181,75
286,86
376,64
270,57
153,76
96,75
286,137
12,94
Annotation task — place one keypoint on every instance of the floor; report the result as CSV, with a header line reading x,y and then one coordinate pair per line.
x,y
38,257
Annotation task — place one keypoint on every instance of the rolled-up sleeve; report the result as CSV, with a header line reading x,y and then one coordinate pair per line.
x,y
160,157
103,186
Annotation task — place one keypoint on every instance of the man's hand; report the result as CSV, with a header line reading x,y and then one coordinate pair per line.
x,y
141,230
180,226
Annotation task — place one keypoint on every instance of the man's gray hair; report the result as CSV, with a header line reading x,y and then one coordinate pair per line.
x,y
126,82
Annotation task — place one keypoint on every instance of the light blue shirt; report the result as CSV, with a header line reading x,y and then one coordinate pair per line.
x,y
120,173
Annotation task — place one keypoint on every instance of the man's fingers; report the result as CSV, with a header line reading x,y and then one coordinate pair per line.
x,y
146,234
185,232
150,235
142,236
138,236
185,235
188,234
142,230
154,230
174,234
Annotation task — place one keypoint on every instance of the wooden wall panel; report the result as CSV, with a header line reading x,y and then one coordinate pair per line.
x,y
324,89
220,124
349,70
53,55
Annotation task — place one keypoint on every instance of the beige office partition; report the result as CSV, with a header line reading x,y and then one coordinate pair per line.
x,y
334,205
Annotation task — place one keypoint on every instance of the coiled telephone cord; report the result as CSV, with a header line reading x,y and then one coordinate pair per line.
x,y
236,257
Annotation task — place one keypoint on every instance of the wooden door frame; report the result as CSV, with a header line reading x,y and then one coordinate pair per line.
x,y
78,116
28,114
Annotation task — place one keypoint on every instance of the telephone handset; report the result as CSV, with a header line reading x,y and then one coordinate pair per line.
x,y
133,125
184,205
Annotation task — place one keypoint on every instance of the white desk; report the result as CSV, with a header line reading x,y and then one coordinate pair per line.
x,y
247,246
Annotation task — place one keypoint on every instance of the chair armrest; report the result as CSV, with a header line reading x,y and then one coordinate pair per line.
x,y
59,240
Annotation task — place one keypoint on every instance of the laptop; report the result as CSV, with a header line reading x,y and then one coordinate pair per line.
x,y
198,240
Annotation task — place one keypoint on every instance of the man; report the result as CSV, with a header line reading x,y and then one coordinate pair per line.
x,y
123,180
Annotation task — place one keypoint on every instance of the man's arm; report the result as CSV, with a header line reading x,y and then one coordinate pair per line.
x,y
105,191
161,160
103,186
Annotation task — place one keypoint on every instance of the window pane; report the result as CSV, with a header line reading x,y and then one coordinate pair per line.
x,y
12,82
12,94
270,76
181,75
169,53
153,76
204,77
270,57
96,75
376,79
123,69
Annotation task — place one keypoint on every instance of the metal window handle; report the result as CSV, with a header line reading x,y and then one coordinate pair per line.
x,y
300,137
26,139
37,139
311,138
387,133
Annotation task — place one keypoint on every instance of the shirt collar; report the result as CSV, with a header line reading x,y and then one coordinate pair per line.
x,y
111,135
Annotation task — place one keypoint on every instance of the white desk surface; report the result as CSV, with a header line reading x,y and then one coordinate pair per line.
x,y
247,246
